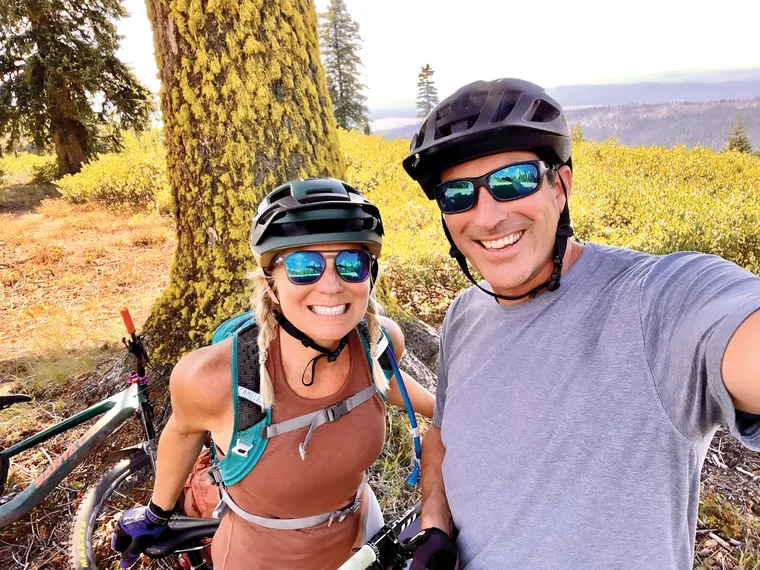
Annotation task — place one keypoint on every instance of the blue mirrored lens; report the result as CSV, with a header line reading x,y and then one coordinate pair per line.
x,y
353,266
514,181
304,267
456,196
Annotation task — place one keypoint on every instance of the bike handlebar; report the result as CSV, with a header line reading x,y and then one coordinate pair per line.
x,y
363,559
127,318
386,547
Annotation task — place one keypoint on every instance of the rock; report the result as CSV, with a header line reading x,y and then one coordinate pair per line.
x,y
421,339
417,370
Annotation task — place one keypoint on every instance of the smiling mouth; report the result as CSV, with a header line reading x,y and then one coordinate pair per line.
x,y
503,243
333,311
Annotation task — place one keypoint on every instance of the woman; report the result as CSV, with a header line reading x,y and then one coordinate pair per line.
x,y
316,242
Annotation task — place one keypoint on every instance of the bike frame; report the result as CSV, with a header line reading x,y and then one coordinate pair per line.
x,y
117,409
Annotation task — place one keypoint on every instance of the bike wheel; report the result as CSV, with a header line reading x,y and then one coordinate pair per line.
x,y
128,483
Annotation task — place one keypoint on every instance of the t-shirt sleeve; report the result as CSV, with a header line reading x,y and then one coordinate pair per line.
x,y
440,389
690,306
443,348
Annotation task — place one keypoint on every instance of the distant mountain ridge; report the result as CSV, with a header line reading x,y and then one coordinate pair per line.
x,y
668,124
642,93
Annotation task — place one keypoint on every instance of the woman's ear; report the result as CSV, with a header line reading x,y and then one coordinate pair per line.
x,y
270,291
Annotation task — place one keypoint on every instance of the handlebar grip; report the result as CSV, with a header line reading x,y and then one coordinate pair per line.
x,y
363,559
127,318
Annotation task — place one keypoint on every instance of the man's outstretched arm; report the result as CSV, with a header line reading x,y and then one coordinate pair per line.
x,y
741,366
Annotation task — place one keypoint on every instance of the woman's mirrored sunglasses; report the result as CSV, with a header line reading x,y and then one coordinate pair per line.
x,y
506,183
306,267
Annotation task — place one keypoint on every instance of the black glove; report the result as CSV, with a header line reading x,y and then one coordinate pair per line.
x,y
138,528
432,550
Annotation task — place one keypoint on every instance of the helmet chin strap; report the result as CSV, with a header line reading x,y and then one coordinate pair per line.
x,y
299,335
292,330
564,231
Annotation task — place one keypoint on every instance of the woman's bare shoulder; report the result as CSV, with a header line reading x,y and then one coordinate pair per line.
x,y
203,378
396,334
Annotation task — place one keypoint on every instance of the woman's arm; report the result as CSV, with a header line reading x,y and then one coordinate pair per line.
x,y
422,400
194,404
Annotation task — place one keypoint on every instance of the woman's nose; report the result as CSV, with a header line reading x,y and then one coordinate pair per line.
x,y
330,282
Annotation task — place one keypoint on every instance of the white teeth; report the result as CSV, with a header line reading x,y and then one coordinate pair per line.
x,y
502,242
322,310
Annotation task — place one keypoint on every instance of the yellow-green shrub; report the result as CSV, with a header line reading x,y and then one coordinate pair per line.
x,y
663,200
648,198
135,178
27,168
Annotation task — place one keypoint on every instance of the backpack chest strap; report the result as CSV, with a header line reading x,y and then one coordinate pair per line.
x,y
295,524
316,419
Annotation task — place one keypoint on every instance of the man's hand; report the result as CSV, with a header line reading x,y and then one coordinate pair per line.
x,y
433,550
138,528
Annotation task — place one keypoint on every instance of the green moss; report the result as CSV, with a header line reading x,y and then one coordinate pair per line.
x,y
245,107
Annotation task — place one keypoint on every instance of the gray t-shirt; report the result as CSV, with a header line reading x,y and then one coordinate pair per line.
x,y
576,423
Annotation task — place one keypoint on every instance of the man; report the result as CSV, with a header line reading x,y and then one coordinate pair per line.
x,y
571,421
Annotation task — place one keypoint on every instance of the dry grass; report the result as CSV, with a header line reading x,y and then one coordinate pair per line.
x,y
65,271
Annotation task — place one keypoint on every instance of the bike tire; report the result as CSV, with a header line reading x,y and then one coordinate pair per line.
x,y
128,482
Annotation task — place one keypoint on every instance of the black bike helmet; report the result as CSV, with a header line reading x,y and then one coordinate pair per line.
x,y
314,210
487,117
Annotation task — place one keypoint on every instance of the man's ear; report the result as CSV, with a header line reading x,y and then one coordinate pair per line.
x,y
566,175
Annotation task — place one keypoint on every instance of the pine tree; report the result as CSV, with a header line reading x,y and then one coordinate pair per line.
x,y
60,79
340,43
245,108
577,134
739,139
427,94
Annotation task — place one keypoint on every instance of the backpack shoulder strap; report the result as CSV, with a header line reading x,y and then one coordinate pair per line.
x,y
249,402
246,444
228,327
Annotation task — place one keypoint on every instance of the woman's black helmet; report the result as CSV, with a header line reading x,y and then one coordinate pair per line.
x,y
311,211
486,117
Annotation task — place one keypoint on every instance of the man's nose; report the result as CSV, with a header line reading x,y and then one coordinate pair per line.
x,y
488,211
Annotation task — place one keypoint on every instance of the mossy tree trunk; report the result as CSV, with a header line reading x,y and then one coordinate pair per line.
x,y
245,107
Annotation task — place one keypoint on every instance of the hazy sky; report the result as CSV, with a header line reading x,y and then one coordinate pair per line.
x,y
549,42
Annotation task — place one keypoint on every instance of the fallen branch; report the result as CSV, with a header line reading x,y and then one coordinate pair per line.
x,y
720,541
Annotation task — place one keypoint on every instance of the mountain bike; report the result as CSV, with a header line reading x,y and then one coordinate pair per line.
x,y
128,482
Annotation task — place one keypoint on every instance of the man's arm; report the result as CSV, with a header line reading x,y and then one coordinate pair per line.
x,y
435,506
741,365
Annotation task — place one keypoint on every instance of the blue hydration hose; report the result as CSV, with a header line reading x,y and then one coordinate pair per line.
x,y
415,474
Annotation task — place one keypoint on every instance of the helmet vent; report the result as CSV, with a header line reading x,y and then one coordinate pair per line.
x,y
277,196
316,227
543,112
420,136
506,104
